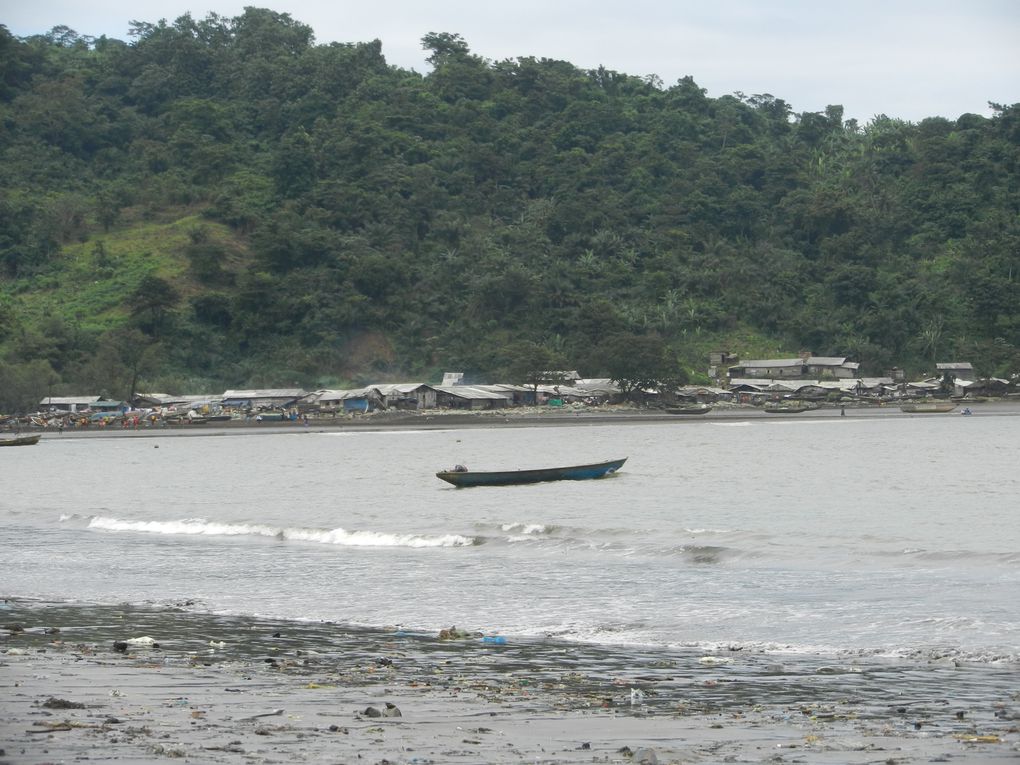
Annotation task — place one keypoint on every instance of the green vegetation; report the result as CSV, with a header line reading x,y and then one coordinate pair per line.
x,y
224,203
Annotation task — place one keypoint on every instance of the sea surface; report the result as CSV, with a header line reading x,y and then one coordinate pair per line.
x,y
872,535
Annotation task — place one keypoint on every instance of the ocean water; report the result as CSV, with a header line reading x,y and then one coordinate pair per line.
x,y
877,534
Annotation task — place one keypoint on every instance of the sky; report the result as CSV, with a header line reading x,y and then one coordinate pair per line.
x,y
907,59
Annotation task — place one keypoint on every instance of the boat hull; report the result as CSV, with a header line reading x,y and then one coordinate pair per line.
x,y
515,477
20,441
689,410
938,407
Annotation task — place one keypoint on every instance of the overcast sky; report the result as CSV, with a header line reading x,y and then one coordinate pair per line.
x,y
909,59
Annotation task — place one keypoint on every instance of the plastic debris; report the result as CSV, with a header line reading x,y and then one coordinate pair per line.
x,y
714,661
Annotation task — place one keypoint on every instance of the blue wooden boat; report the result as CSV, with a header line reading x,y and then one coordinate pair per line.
x,y
462,477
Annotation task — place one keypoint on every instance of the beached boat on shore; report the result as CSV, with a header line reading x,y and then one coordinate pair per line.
x,y
928,407
20,441
788,407
691,409
462,477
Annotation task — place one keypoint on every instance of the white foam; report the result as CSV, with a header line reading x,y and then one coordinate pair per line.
x,y
338,536
526,528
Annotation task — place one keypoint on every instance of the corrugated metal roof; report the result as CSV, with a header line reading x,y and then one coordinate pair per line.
x,y
387,389
817,361
67,400
161,398
324,395
470,392
365,392
200,399
266,393
597,385
849,384
380,389
769,363
765,384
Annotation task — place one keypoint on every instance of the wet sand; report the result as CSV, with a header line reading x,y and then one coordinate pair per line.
x,y
241,690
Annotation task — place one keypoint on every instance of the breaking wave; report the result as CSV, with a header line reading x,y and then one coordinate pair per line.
x,y
921,555
338,536
528,529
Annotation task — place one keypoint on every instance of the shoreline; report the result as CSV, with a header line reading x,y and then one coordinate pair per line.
x,y
82,681
531,417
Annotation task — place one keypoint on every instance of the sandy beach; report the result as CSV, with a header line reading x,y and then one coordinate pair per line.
x,y
140,685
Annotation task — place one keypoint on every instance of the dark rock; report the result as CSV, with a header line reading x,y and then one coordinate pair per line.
x,y
372,712
55,703
120,645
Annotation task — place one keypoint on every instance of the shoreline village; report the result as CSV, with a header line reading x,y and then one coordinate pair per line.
x,y
777,386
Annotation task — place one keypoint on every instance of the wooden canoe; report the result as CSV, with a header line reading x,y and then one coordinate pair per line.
x,y
20,441
928,407
689,410
464,478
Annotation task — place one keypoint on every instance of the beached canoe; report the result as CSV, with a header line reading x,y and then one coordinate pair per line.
x,y
463,477
20,441
788,408
691,409
928,407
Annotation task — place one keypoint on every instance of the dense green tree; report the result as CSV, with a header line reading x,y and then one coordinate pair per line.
x,y
151,301
530,363
640,362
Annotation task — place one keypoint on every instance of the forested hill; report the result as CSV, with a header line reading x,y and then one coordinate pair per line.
x,y
225,202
